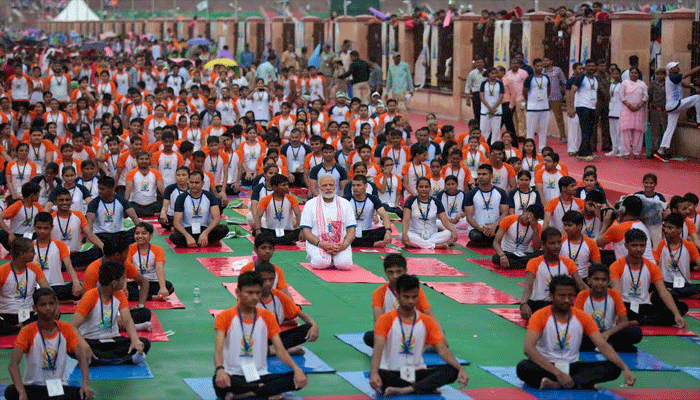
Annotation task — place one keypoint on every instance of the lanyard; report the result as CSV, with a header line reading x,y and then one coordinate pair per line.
x,y
518,240
471,159
278,214
612,89
492,89
148,256
550,270
22,293
21,173
197,210
64,233
675,261
37,154
109,217
452,205
590,229
540,84
49,360
389,186
601,323
274,307
407,345
362,211
562,343
415,173
102,311
45,260
424,215
27,217
591,83
396,159
635,284
571,206
295,156
246,343
214,167
487,204
575,257
524,204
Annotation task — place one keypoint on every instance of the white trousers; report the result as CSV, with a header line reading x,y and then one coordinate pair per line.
x,y
692,101
574,135
538,122
490,127
461,225
615,135
416,240
342,260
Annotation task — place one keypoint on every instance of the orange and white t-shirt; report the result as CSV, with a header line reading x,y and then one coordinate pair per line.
x,y
557,208
69,230
246,339
216,165
20,174
604,311
146,262
393,188
462,174
412,172
22,217
281,306
38,348
634,283
473,160
50,259
144,191
560,341
583,253
400,156
16,290
92,273
101,318
544,271
517,237
385,298
675,262
167,165
278,214
502,175
311,161
126,162
549,182
405,342
280,283
616,235
249,154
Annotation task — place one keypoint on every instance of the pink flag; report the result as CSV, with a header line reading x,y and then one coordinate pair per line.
x,y
448,19
109,52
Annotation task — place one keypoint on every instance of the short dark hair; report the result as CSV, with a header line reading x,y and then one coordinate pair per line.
x,y
114,246
549,232
487,167
692,198
360,178
561,280
395,260
41,292
20,245
407,282
635,235
595,196
107,181
632,205
145,225
110,271
250,278
565,181
573,217
263,239
278,179
675,219
598,268
30,188
264,266
536,209
43,217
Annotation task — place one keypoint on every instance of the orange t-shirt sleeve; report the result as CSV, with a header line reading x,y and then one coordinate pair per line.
x,y
617,268
507,222
289,309
692,250
422,304
551,205
130,270
615,233
123,302
539,320
292,201
433,335
273,329
378,296
581,299
620,308
81,217
587,322
12,210
37,271
538,176
264,202
63,251
159,253
67,331
654,272
25,339
658,250
383,324
223,320
593,248
533,265
87,303
281,281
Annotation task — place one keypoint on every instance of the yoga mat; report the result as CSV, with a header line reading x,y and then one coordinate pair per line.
x,y
237,218
430,266
472,293
695,275
508,273
170,302
511,314
693,314
242,211
393,217
67,307
81,276
297,246
308,362
360,380
692,339
156,335
639,361
658,394
692,371
463,240
665,331
162,231
509,375
356,274
7,342
301,192
108,372
225,266
509,393
415,250
198,250
204,389
380,250
692,303
298,298
355,341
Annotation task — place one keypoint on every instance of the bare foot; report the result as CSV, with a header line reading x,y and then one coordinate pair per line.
x,y
295,351
634,322
271,351
548,384
275,397
380,243
442,246
394,391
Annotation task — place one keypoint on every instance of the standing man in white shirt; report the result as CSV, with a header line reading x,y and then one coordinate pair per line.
x,y
473,86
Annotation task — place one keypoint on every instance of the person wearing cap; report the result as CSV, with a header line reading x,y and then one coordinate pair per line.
x,y
374,100
338,111
399,82
675,103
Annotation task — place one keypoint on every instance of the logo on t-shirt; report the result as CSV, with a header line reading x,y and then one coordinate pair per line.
x,y
46,355
551,183
144,186
247,352
407,348
599,318
106,322
21,290
168,164
564,339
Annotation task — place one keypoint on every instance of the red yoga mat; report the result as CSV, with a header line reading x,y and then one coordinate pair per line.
x,y
67,307
223,266
356,274
380,250
665,331
171,302
243,211
692,303
301,192
199,250
695,275
162,231
511,314
296,296
463,240
429,266
298,246
510,393
81,276
7,342
472,293
693,314
415,250
156,335
658,394
508,273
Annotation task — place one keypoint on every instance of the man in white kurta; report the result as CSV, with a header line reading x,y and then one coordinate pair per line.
x,y
328,225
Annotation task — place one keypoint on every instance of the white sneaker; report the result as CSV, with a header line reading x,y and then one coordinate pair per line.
x,y
138,358
611,153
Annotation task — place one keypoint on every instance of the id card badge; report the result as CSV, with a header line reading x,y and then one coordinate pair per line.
x,y
108,340
54,387
250,373
196,228
27,235
23,314
634,307
279,232
562,366
408,373
358,232
678,282
519,254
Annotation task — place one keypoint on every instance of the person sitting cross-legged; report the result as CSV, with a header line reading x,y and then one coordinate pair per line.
x,y
397,366
366,208
553,341
150,260
280,211
518,239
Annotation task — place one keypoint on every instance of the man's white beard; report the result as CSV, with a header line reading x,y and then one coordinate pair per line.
x,y
328,195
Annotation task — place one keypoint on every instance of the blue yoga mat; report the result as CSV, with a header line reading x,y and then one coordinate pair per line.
x,y
640,361
509,375
204,388
309,363
2,391
355,340
692,339
360,380
107,372
692,371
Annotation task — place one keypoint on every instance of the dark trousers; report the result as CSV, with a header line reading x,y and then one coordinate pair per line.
x,y
153,289
127,236
586,118
65,292
607,257
584,374
5,239
216,234
370,237
368,338
295,336
622,341
507,118
476,106
396,210
427,380
516,262
147,210
478,239
656,313
289,238
687,291
81,259
538,304
658,119
268,385
601,115
168,226
116,352
9,323
298,179
38,392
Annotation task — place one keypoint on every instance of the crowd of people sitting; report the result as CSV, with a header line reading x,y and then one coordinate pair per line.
x,y
136,141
